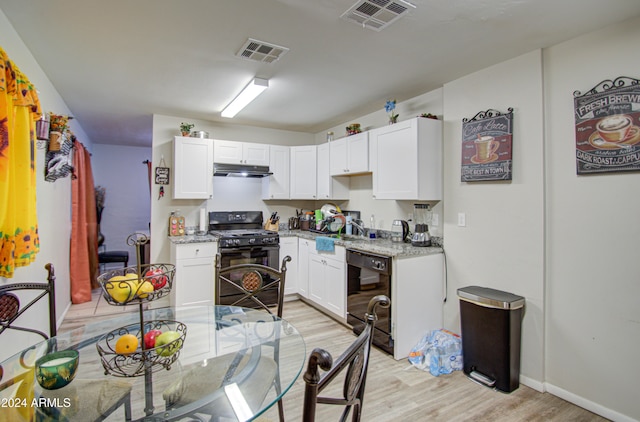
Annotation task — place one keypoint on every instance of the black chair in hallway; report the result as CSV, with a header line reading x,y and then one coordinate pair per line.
x,y
355,358
109,257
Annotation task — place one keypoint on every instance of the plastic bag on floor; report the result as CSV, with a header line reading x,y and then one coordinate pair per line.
x,y
439,352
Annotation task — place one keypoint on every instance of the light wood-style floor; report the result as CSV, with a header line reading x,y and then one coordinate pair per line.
x,y
396,391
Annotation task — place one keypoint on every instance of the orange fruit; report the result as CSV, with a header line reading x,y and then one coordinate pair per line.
x,y
126,344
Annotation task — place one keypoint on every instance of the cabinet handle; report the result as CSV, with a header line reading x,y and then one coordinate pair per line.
x,y
197,251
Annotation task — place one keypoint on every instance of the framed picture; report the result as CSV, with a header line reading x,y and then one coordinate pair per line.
x,y
607,122
487,146
162,175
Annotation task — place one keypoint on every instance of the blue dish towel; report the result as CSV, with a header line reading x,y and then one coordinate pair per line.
x,y
325,244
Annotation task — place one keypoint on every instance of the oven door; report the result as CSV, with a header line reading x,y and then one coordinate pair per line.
x,y
263,255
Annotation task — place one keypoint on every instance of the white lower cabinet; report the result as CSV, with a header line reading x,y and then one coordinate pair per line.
x,y
327,279
193,283
417,300
289,246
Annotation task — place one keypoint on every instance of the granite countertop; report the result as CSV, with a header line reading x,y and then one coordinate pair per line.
x,y
378,246
193,238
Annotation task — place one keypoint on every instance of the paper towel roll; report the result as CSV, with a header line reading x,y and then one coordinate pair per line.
x,y
202,226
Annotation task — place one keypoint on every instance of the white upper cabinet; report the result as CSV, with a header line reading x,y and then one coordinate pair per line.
x,y
276,186
232,152
350,155
406,160
303,172
192,168
329,187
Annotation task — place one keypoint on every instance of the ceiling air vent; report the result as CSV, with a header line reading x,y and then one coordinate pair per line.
x,y
376,14
261,51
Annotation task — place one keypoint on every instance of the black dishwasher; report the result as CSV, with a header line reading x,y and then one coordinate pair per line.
x,y
369,275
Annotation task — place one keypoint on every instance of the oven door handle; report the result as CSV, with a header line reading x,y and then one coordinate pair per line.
x,y
245,249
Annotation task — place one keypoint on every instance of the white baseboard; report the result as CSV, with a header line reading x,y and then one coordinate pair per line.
x,y
61,317
587,404
531,383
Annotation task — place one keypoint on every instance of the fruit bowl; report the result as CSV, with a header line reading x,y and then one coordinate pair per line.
x,y
123,286
57,369
132,364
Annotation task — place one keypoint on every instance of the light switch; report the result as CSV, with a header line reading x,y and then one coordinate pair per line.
x,y
462,219
435,219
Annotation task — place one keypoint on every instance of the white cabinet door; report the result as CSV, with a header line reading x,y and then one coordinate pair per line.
x,y
358,153
317,279
327,279
255,154
350,155
304,246
196,279
192,168
232,152
303,172
329,187
336,286
406,160
276,186
289,246
228,152
193,282
338,152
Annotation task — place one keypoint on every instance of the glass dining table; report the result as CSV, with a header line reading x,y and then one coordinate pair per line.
x,y
230,363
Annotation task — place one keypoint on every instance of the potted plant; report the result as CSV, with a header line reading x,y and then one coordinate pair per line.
x,y
185,128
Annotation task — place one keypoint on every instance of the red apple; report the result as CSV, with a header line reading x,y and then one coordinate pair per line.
x,y
157,278
150,338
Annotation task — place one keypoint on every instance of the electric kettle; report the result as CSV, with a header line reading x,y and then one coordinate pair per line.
x,y
400,231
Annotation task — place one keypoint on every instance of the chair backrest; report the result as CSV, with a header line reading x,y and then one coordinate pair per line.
x,y
10,309
248,284
355,358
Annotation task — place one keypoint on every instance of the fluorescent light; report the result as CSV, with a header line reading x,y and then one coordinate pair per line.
x,y
248,94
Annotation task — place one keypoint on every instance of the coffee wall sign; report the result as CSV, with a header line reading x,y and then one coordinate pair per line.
x,y
487,146
607,127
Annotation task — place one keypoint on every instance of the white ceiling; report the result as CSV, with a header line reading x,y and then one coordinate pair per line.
x,y
117,62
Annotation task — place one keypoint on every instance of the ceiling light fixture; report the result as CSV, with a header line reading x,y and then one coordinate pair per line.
x,y
248,94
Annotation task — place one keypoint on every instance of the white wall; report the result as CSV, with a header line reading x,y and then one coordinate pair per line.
x,y
53,199
502,245
121,171
593,279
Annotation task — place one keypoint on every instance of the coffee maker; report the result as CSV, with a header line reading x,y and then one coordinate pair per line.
x,y
422,216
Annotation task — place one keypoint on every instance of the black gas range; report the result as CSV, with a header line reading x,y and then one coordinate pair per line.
x,y
243,240
238,229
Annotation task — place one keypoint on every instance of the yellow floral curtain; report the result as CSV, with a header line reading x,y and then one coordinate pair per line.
x,y
19,110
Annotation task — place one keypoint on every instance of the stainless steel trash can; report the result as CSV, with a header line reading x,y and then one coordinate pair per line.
x,y
491,322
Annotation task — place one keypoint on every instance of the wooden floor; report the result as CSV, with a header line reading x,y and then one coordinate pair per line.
x,y
396,391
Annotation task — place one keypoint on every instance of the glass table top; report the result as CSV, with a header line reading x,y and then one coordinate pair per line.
x,y
221,361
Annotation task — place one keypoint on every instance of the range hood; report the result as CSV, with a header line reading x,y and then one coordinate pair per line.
x,y
240,170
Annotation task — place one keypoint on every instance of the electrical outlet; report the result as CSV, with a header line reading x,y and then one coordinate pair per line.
x,y
435,220
462,219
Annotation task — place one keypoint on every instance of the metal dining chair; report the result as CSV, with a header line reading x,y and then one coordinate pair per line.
x,y
113,394
10,309
355,359
248,281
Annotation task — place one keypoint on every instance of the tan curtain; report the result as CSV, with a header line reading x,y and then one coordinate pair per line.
x,y
83,267
19,110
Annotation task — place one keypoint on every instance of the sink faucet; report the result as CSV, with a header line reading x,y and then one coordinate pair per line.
x,y
359,227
